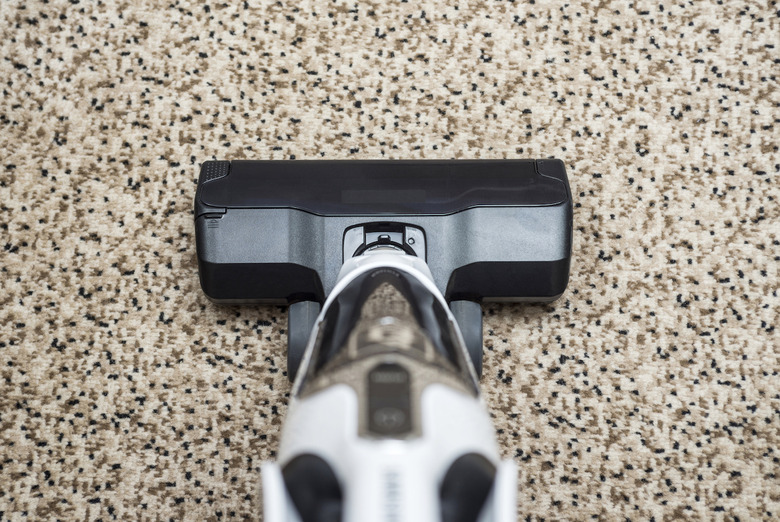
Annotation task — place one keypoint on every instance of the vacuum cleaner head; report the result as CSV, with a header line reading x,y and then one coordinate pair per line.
x,y
277,232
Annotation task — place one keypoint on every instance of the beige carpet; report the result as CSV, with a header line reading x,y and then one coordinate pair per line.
x,y
650,391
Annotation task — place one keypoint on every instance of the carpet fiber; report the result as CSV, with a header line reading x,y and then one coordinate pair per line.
x,y
649,391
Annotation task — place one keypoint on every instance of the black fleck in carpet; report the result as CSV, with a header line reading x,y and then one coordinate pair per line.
x,y
649,391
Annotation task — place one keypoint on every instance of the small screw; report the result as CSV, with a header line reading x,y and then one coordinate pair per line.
x,y
410,240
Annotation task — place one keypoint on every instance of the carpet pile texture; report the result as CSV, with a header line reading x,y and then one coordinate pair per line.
x,y
649,391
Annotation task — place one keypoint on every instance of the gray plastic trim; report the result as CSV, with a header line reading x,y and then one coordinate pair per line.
x,y
300,324
468,315
495,234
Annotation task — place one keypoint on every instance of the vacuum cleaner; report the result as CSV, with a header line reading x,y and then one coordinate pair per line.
x,y
384,266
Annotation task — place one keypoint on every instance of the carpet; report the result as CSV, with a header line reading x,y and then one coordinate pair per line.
x,y
649,391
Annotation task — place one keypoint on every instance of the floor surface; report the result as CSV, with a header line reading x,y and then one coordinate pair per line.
x,y
649,391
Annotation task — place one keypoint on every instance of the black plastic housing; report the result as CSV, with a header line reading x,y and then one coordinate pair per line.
x,y
273,231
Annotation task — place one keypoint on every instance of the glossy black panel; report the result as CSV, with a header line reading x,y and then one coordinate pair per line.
x,y
352,188
540,281
389,401
268,283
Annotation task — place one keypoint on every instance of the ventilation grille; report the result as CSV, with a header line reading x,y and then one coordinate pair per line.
x,y
212,170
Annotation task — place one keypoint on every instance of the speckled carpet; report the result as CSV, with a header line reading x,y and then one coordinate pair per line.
x,y
649,391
